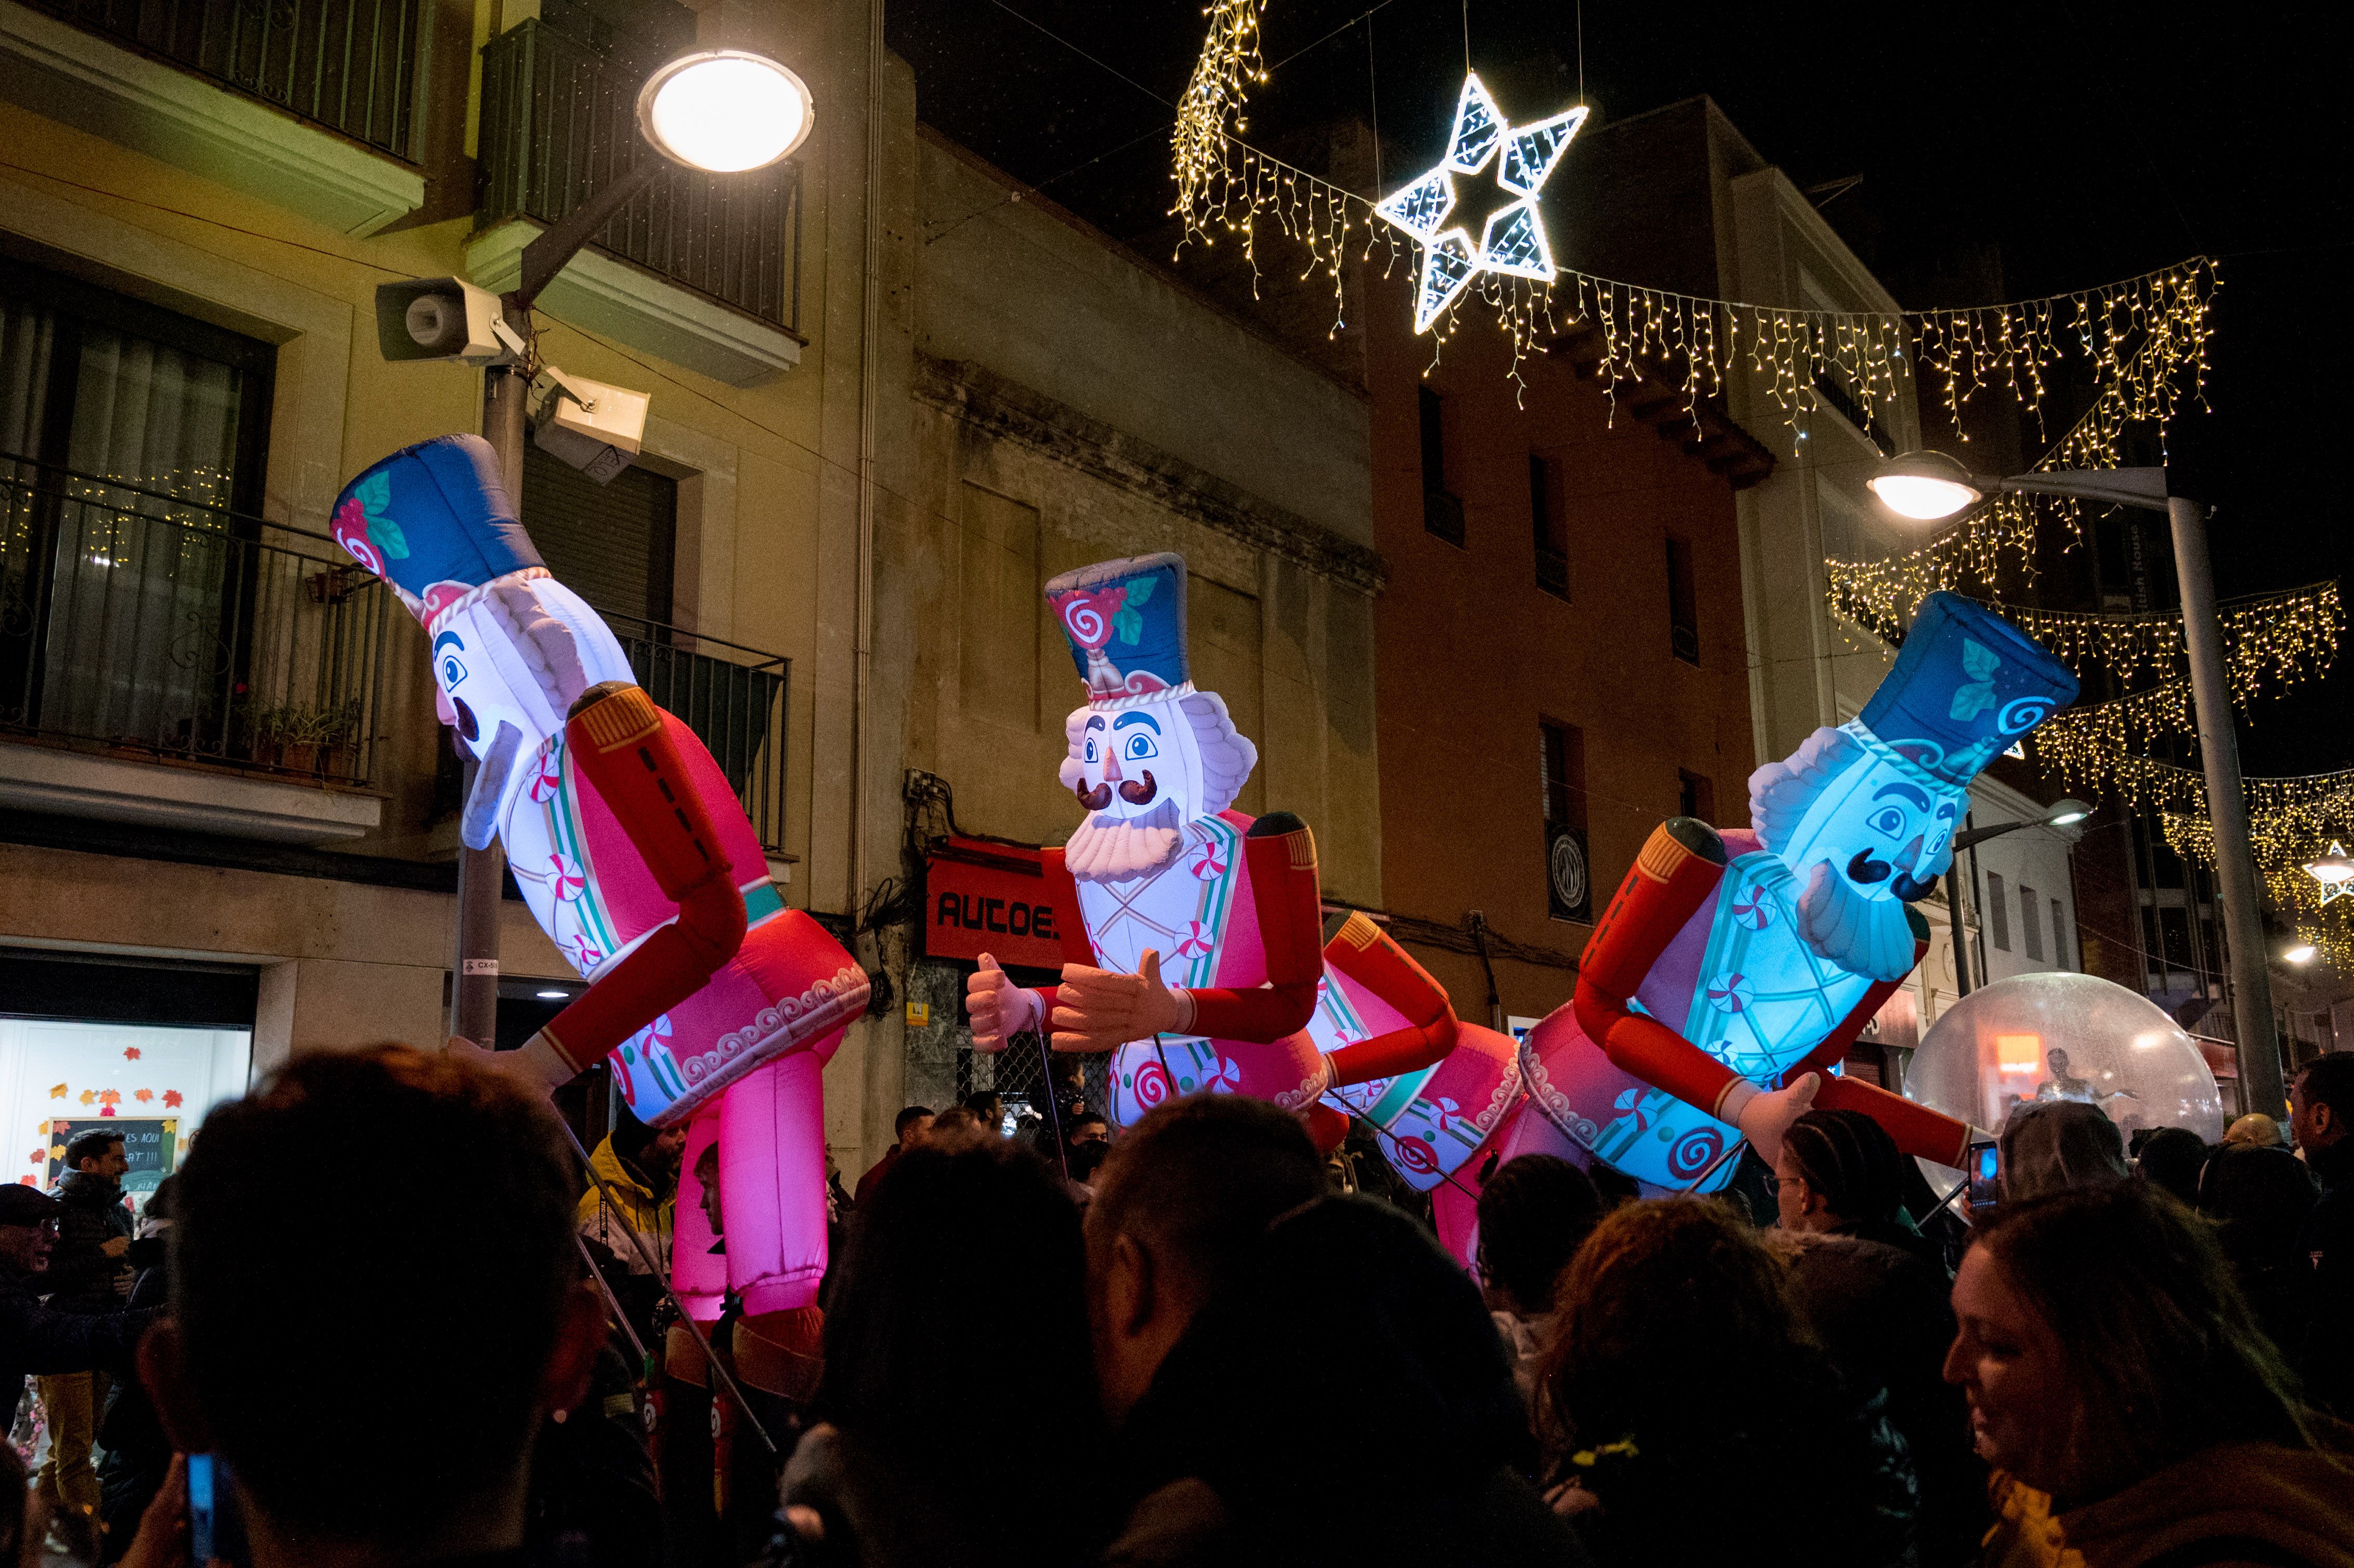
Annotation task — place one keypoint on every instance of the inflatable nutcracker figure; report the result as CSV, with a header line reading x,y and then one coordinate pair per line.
x,y
708,998
1733,969
1193,934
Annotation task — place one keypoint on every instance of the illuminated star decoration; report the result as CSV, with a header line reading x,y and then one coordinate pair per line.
x,y
1514,239
2341,887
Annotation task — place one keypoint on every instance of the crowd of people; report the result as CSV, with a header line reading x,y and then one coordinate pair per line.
x,y
1183,1346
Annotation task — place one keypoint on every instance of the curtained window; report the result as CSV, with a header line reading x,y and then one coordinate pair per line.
x,y
131,438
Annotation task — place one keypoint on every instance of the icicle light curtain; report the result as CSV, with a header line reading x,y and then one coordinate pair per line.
x,y
2138,335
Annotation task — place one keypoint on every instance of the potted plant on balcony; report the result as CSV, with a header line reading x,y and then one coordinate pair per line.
x,y
305,735
339,739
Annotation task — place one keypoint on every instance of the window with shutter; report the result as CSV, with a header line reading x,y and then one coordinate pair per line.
x,y
2031,920
1997,913
614,545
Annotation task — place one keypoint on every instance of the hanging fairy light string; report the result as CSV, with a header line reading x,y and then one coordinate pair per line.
x,y
2138,337
1999,543
2308,817
2270,642
2286,636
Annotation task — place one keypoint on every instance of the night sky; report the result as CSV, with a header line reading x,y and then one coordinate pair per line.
x,y
2032,148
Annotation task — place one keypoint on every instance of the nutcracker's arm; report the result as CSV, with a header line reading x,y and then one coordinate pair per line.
x,y
1681,863
1281,853
1092,1010
1916,1128
1366,954
620,746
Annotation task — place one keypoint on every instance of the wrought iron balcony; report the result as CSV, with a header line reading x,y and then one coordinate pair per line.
x,y
558,122
137,620
733,697
347,65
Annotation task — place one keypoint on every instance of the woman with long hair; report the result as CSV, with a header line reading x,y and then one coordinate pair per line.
x,y
1690,1416
965,1271
2133,1410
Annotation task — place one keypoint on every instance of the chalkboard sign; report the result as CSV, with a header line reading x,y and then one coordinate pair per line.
x,y
152,1145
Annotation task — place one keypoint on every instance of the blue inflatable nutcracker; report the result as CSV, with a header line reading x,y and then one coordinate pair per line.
x,y
1734,969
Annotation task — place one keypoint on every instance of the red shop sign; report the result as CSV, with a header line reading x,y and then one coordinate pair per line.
x,y
989,898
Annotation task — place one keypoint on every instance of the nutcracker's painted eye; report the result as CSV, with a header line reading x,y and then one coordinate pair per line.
x,y
1888,820
1136,747
1091,749
446,649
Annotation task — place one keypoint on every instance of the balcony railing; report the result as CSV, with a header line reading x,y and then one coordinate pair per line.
x,y
347,65
733,697
558,122
137,620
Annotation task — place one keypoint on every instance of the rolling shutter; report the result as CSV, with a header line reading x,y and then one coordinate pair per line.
x,y
614,545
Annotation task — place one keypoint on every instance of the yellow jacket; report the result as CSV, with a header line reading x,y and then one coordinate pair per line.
x,y
633,1207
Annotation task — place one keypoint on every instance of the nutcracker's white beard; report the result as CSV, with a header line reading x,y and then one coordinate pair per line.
x,y
1107,849
1861,935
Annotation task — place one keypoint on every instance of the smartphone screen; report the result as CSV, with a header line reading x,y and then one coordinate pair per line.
x,y
201,1510
1985,1164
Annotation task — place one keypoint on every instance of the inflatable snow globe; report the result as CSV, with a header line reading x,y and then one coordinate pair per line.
x,y
2064,1037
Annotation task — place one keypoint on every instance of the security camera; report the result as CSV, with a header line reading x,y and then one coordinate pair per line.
x,y
442,318
595,427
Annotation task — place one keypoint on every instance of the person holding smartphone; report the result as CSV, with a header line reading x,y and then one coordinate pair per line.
x,y
377,1391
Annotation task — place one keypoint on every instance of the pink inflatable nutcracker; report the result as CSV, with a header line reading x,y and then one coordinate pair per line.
x,y
709,999
1734,969
1193,934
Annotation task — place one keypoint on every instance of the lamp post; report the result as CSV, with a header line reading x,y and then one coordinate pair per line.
x,y
2062,813
1928,486
717,110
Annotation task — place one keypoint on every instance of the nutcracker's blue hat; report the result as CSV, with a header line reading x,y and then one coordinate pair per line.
x,y
1126,623
435,521
1965,687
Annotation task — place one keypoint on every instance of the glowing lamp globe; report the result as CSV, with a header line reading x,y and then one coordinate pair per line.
x,y
1927,487
725,110
2065,1036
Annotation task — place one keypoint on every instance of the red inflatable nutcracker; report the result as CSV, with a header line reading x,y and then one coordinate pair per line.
x,y
1193,934
708,998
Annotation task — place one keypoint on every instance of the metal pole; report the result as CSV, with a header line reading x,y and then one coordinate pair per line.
x,y
2227,811
1954,922
474,989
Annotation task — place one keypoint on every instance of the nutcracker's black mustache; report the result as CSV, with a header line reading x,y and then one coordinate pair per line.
x,y
1136,792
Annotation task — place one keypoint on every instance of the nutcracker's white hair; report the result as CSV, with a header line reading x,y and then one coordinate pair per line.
x,y
1228,755
1780,792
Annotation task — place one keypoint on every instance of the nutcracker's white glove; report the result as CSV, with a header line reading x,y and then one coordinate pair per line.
x,y
1764,1116
999,1009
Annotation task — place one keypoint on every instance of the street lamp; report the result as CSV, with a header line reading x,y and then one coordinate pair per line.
x,y
726,111
2064,812
2300,954
722,111
1930,486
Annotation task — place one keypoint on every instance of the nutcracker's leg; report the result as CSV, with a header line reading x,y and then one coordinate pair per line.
x,y
772,1183
697,1273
